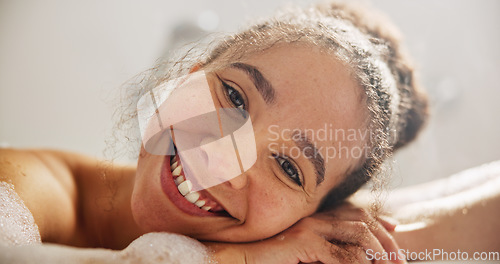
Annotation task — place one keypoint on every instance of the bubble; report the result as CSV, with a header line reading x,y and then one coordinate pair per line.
x,y
17,225
166,248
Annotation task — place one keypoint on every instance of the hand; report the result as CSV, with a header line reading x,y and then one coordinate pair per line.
x,y
361,238
339,236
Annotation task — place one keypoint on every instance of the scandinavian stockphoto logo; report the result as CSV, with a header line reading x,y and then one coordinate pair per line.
x,y
214,144
341,143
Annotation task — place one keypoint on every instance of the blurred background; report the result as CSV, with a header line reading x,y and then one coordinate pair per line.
x,y
62,63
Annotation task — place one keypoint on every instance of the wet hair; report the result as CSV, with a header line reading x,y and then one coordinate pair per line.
x,y
360,38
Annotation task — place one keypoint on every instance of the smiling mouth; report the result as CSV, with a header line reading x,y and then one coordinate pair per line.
x,y
179,190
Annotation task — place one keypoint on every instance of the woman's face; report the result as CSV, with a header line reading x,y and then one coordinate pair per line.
x,y
301,153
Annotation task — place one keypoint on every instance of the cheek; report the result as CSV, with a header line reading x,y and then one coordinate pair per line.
x,y
273,210
144,202
147,201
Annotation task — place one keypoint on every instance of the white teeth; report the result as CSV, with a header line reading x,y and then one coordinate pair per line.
x,y
179,180
192,197
185,187
177,171
200,203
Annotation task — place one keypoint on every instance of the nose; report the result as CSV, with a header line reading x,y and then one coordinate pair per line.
x,y
239,182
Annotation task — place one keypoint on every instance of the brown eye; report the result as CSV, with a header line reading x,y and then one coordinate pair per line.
x,y
289,169
234,97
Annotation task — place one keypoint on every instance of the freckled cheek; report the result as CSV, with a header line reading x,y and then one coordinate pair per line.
x,y
273,211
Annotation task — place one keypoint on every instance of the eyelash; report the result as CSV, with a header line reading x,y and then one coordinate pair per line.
x,y
283,160
229,91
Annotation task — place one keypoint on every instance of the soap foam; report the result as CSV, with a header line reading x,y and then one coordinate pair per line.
x,y
166,248
17,226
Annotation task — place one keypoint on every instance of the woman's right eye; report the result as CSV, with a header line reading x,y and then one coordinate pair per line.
x,y
234,97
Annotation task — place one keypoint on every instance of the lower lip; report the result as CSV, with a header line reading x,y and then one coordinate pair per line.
x,y
173,194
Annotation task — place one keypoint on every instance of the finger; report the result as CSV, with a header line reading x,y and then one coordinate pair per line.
x,y
318,246
346,253
373,249
351,232
389,223
320,250
358,255
388,242
376,227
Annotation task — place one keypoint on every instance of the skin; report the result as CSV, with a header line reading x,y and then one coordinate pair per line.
x,y
262,201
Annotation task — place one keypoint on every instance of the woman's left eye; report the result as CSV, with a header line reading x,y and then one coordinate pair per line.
x,y
234,96
289,169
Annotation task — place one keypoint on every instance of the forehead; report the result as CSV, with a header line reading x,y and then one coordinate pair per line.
x,y
311,79
312,88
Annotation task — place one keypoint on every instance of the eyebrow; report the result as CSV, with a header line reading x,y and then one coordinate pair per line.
x,y
263,86
312,154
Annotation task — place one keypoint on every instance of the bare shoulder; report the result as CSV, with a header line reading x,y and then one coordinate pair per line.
x,y
61,188
45,181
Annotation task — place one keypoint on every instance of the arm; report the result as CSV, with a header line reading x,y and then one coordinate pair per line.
x,y
458,212
455,184
467,220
